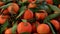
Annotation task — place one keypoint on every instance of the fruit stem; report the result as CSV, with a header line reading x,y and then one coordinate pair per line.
x,y
24,20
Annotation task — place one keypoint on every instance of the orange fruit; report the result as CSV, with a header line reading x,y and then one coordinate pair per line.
x,y
32,5
49,1
55,23
59,6
34,26
40,15
14,7
24,27
8,31
28,14
3,19
6,11
43,29
1,3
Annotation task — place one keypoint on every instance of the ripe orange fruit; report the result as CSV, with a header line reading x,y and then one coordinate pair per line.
x,y
24,27
28,14
3,19
1,3
43,29
32,1
34,26
55,23
6,11
32,5
49,1
40,15
8,31
59,6
14,7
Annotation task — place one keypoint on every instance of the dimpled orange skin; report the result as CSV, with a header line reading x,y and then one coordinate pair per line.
x,y
40,15
3,19
55,23
28,14
1,3
34,26
8,31
14,7
49,1
24,27
43,29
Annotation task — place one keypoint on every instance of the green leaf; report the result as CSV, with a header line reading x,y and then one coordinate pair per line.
x,y
4,26
40,1
54,8
3,0
51,17
6,1
56,2
33,20
25,33
5,6
34,9
21,11
19,3
37,1
44,7
49,10
22,3
14,28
